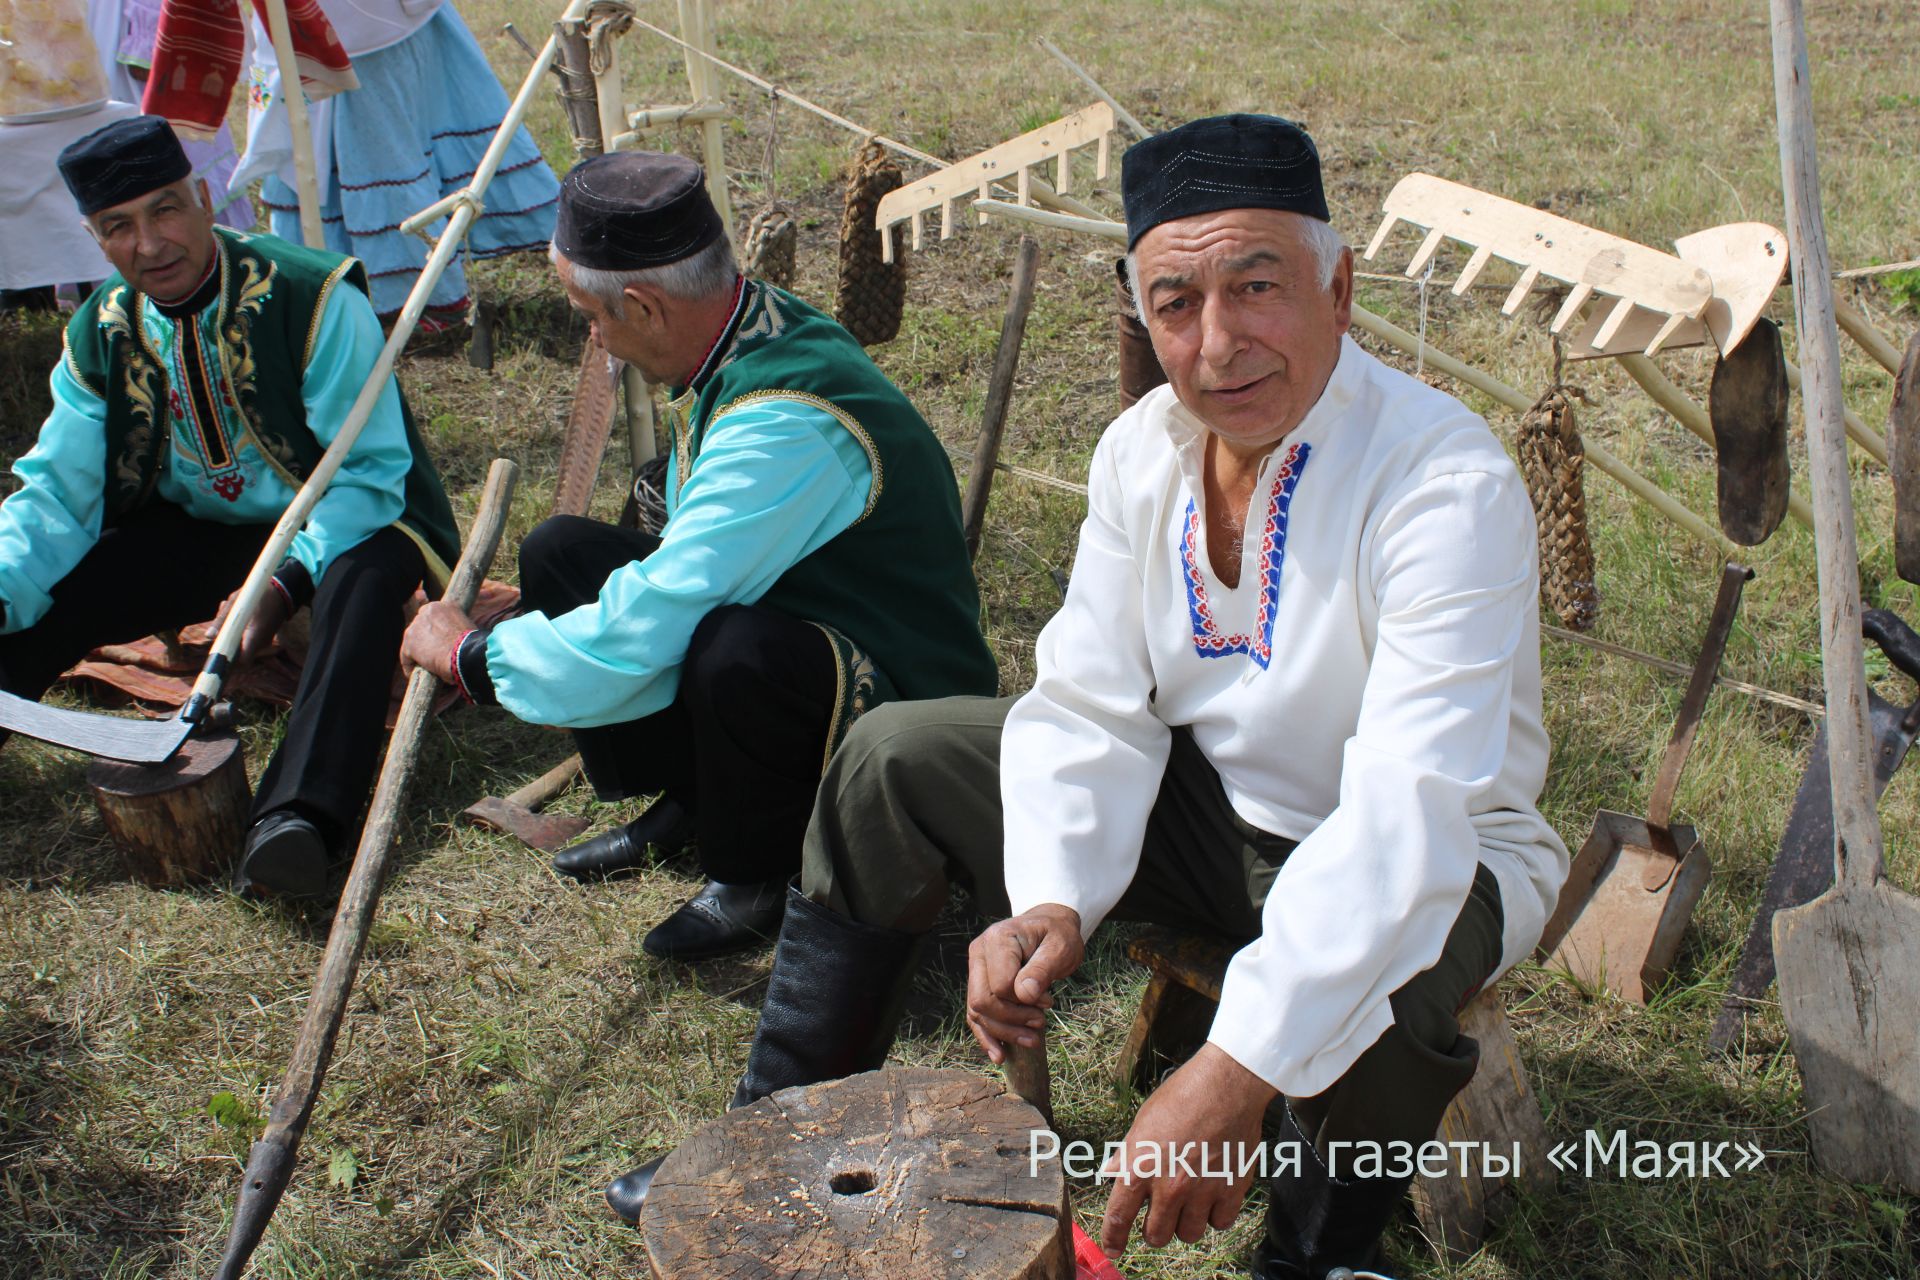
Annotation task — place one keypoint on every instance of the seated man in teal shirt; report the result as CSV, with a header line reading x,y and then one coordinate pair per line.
x,y
198,387
812,563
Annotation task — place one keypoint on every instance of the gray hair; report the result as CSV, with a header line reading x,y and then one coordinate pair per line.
x,y
1324,242
702,275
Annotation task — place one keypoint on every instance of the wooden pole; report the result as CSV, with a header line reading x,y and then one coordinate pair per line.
x,y
270,1163
1127,117
579,96
993,420
696,23
1849,737
311,232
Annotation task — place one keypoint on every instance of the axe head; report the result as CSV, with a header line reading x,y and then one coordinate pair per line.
x,y
547,832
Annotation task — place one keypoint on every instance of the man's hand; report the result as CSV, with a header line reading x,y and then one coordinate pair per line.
x,y
268,617
1009,968
1210,1109
430,639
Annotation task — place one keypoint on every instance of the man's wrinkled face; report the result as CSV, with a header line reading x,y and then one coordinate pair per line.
x,y
1246,332
161,242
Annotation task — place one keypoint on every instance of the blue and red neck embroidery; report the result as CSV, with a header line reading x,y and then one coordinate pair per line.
x,y
1208,640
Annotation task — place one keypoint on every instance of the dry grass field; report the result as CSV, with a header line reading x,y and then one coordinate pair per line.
x,y
510,1048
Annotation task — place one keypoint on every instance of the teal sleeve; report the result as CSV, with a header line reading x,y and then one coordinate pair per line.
x,y
49,524
773,483
369,492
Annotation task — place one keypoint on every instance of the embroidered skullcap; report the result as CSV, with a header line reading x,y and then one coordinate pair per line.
x,y
1223,162
634,209
122,162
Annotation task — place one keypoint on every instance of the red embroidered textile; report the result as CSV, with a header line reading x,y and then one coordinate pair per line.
x,y
197,56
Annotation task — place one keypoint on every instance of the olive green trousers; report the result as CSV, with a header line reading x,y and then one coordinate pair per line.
x,y
910,808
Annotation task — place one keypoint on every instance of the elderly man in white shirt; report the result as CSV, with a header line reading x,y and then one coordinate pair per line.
x,y
1292,699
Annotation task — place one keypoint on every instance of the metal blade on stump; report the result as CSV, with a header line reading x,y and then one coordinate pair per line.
x,y
1848,982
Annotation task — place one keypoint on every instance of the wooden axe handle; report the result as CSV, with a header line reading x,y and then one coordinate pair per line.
x,y
547,785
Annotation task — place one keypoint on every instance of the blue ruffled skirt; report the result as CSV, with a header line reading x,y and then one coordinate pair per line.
x,y
415,131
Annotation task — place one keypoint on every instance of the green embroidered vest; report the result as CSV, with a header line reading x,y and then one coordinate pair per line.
x,y
897,582
272,294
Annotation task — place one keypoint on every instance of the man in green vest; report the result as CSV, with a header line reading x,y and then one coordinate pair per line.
x,y
198,388
812,564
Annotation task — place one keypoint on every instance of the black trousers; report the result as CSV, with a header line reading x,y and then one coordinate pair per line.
x,y
162,568
742,745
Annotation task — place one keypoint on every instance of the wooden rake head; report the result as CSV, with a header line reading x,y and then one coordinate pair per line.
x,y
1714,290
1012,161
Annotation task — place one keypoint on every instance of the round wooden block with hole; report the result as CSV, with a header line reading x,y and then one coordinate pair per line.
x,y
180,822
899,1174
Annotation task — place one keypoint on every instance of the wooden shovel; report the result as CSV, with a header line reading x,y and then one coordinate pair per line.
x,y
1747,405
1903,447
1849,985
1633,886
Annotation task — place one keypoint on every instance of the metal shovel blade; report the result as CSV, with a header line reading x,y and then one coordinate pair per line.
x,y
113,737
1629,904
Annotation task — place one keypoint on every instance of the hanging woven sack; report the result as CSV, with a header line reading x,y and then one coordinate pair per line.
x,y
1551,459
872,293
772,239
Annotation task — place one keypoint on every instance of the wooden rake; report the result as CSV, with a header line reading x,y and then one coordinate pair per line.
x,y
1013,161
1651,301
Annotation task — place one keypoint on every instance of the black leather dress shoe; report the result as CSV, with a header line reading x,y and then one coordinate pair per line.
x,y
665,826
286,856
720,920
627,1194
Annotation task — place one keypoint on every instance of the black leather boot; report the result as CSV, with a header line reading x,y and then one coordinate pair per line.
x,y
833,1004
665,826
718,921
1317,1222
286,855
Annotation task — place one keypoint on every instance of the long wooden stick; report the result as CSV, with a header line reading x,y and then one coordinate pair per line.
x,y
993,420
311,232
1870,339
1127,117
1849,736
270,1164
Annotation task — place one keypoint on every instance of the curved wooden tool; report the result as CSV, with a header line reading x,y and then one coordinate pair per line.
x,y
1748,407
270,1163
1633,886
1903,445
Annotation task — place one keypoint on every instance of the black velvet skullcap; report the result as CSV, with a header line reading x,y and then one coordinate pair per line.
x,y
634,209
1223,162
122,162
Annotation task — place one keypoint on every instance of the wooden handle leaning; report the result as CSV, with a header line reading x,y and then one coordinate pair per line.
x,y
1857,850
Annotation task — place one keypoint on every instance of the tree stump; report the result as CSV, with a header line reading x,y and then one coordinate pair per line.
x,y
897,1174
181,822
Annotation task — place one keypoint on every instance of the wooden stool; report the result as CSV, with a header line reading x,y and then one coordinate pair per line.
x,y
1497,1107
180,822
899,1174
